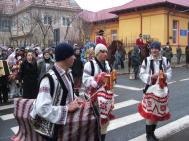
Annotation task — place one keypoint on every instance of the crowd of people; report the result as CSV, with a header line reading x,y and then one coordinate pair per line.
x,y
54,76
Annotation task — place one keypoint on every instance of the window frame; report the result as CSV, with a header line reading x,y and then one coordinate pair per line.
x,y
175,31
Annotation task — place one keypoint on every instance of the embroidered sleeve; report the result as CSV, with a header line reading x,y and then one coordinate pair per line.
x,y
144,73
168,70
87,78
45,108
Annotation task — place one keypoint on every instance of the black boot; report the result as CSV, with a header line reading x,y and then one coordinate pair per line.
x,y
154,128
103,137
149,133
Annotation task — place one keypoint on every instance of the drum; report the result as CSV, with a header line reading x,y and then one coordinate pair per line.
x,y
80,125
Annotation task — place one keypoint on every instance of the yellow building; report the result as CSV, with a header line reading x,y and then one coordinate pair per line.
x,y
101,20
160,20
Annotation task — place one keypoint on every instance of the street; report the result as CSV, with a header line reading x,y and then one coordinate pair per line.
x,y
129,125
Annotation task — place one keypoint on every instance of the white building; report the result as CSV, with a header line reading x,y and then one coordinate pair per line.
x,y
43,22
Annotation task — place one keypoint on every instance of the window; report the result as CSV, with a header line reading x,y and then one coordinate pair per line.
x,y
56,36
4,25
72,2
17,2
175,31
47,19
66,21
114,34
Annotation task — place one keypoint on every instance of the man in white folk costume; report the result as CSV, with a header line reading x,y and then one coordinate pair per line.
x,y
98,79
155,72
54,107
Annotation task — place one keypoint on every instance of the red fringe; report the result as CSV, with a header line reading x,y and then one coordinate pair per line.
x,y
105,120
152,117
111,116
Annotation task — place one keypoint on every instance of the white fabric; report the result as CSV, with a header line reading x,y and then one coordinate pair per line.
x,y
145,71
43,106
157,91
87,78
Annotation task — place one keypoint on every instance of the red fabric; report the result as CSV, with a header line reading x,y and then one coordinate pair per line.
x,y
151,116
139,42
102,40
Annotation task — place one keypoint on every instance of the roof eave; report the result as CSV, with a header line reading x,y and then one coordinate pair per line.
x,y
117,12
106,20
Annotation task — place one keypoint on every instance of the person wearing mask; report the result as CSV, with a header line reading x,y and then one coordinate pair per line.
x,y
155,71
28,76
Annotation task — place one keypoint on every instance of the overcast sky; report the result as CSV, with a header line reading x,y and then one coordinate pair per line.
x,y
96,5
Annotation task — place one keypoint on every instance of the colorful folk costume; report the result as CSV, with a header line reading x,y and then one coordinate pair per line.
x,y
57,114
100,39
98,79
154,105
139,41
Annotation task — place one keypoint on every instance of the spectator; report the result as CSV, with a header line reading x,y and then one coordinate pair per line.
x,y
44,64
179,54
77,71
29,76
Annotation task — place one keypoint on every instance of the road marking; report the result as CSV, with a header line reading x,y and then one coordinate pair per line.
x,y
123,121
184,79
115,95
172,82
7,117
15,129
128,87
6,107
168,129
125,104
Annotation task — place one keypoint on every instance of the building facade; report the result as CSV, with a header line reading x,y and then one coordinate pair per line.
x,y
45,23
160,20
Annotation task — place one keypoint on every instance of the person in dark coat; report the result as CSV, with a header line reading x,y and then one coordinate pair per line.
x,y
29,76
44,64
179,54
187,56
136,60
3,80
77,71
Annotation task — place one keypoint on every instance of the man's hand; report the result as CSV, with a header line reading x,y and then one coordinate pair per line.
x,y
73,106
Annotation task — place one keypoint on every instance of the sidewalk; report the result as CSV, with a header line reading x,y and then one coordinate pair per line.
x,y
125,70
180,136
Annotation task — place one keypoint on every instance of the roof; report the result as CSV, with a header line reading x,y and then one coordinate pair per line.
x,y
6,6
10,6
141,3
102,15
58,3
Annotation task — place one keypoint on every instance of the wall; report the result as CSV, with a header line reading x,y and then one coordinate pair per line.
x,y
148,22
107,27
